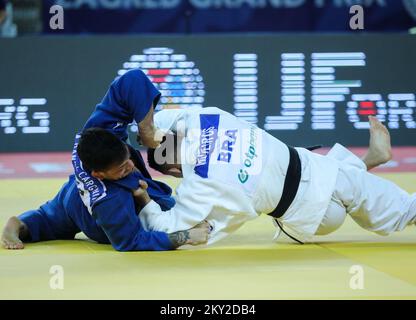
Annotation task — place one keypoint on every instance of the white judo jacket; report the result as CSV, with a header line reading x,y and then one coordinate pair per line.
x,y
232,172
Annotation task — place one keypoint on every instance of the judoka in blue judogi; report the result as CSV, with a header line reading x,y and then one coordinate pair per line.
x,y
105,210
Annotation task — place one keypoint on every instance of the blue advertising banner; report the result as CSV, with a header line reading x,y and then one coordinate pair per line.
x,y
199,16
303,89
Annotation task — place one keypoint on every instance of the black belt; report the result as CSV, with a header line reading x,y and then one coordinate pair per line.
x,y
291,185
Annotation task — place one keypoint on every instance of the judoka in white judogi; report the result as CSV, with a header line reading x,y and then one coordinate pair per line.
x,y
233,171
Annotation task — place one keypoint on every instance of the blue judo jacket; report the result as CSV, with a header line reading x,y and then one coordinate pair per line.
x,y
105,210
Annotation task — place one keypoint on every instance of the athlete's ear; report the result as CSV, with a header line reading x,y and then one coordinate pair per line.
x,y
97,174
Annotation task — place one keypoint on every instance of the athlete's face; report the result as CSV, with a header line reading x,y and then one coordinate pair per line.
x,y
117,171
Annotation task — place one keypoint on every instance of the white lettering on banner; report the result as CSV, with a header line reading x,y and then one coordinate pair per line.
x,y
287,4
118,4
328,91
26,115
348,3
206,4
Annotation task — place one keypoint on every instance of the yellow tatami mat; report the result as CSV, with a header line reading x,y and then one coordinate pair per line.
x,y
349,264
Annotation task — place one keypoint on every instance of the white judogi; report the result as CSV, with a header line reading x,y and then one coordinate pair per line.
x,y
233,176
376,204
233,171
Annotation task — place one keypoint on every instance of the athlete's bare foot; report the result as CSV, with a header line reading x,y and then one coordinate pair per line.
x,y
379,150
10,236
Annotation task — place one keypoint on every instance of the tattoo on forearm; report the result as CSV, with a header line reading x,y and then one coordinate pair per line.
x,y
179,238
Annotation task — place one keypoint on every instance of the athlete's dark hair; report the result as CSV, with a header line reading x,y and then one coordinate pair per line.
x,y
99,149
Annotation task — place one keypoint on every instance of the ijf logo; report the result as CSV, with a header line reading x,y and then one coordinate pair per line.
x,y
176,77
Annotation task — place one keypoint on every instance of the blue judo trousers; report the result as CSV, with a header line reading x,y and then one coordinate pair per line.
x,y
105,210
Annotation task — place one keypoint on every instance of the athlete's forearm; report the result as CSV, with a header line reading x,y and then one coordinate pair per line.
x,y
142,200
147,131
194,236
179,238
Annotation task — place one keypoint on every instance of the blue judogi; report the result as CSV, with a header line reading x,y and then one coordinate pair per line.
x,y
105,210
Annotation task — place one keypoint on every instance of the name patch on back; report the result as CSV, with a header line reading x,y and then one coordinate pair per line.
x,y
90,189
209,134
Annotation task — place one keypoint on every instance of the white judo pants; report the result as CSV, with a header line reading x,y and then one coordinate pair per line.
x,y
376,204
